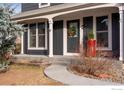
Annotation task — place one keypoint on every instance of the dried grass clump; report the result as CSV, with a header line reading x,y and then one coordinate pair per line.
x,y
95,66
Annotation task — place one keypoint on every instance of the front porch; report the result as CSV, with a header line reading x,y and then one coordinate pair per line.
x,y
81,16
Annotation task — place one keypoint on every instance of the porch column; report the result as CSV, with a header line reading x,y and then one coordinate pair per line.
x,y
22,43
50,37
121,12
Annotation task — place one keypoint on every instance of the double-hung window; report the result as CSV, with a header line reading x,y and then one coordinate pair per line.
x,y
32,35
102,32
37,36
41,35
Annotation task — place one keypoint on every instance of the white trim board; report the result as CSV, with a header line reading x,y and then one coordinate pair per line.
x,y
45,5
28,35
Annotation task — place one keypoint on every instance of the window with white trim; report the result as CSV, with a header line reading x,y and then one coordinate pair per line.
x,y
102,31
32,35
37,36
41,35
43,5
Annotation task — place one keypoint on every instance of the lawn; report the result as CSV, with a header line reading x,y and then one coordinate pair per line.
x,y
25,75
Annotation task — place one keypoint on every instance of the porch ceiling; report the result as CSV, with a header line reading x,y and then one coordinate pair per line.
x,y
89,12
31,20
54,11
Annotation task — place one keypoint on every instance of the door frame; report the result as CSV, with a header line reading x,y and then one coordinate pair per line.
x,y
65,36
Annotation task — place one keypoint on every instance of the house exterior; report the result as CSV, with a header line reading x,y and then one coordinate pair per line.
x,y
48,26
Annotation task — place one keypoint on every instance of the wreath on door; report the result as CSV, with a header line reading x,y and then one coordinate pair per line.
x,y
72,31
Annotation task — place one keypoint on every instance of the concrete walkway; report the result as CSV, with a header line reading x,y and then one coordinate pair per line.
x,y
60,73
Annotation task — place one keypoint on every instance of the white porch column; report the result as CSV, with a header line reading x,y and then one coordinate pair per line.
x,y
50,37
22,43
121,12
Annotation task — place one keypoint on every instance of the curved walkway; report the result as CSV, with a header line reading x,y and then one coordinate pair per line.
x,y
60,73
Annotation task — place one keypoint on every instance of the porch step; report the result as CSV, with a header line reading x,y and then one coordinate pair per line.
x,y
62,60
29,60
38,59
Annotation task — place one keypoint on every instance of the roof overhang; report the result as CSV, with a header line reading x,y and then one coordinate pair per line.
x,y
52,11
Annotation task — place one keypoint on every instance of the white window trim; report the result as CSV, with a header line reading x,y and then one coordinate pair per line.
x,y
41,6
37,48
109,32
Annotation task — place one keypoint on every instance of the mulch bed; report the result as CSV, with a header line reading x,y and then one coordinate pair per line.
x,y
119,79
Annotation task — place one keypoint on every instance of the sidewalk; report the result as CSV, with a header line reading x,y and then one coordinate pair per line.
x,y
60,73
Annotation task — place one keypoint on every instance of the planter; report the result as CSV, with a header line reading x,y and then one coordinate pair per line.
x,y
91,48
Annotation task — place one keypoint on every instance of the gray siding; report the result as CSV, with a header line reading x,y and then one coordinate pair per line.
x,y
29,6
52,4
58,38
33,6
115,34
87,25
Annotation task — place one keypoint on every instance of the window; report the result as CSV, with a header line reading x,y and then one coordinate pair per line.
x,y
32,35
43,5
102,32
37,36
41,35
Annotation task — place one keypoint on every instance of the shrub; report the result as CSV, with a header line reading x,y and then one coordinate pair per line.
x,y
90,35
17,49
9,30
94,65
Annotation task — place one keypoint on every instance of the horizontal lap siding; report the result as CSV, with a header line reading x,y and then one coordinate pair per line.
x,y
33,6
52,4
58,38
115,34
37,52
29,6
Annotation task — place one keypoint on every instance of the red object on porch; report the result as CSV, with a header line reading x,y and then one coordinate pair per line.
x,y
91,48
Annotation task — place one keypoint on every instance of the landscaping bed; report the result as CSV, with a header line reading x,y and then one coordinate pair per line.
x,y
104,69
24,74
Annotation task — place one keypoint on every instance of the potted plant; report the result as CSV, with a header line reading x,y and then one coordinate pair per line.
x,y
91,44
